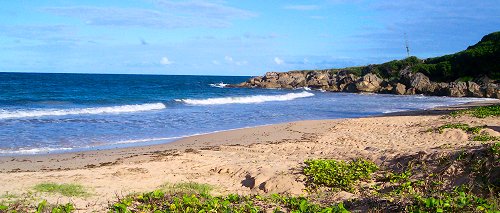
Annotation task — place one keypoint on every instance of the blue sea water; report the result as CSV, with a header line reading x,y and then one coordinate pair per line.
x,y
48,113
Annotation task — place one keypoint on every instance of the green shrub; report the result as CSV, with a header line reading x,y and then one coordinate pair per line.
x,y
157,201
485,137
41,207
464,127
479,112
457,201
338,174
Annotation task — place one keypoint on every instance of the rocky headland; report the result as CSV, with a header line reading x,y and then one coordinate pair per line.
x,y
474,72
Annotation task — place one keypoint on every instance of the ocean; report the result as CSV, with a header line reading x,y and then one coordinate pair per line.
x,y
54,113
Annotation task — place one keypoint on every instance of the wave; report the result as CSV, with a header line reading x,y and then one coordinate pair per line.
x,y
246,99
24,151
219,85
9,114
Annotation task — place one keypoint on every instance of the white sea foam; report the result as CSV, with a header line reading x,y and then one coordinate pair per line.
x,y
27,151
246,99
9,114
218,85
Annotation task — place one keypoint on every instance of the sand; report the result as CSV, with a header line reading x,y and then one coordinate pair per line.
x,y
258,160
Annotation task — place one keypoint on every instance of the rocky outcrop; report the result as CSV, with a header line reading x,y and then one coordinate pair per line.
x,y
409,83
369,83
399,89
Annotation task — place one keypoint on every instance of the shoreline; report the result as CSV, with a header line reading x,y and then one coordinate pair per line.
x,y
112,156
251,161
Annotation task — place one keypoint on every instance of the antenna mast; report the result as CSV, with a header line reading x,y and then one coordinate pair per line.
x,y
407,46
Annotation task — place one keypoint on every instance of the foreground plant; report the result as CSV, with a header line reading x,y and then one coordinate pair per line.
x,y
479,112
338,174
159,201
464,127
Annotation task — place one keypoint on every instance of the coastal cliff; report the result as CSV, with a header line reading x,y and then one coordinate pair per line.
x,y
474,72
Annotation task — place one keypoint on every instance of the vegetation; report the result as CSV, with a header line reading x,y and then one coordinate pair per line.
x,y
464,127
485,137
159,201
70,190
479,112
187,188
338,174
41,207
476,61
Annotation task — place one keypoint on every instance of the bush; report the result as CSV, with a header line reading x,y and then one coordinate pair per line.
x,y
338,174
479,112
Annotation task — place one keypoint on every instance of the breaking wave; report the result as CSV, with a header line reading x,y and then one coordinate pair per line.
x,y
246,99
218,85
9,114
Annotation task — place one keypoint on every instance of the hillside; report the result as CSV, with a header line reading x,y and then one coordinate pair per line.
x,y
474,72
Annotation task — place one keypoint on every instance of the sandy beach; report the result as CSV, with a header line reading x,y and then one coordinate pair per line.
x,y
261,160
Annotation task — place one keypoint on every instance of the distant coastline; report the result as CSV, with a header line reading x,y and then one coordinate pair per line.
x,y
474,72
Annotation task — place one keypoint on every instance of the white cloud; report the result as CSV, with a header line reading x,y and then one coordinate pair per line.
x,y
167,14
278,61
302,7
165,61
241,63
230,60
215,62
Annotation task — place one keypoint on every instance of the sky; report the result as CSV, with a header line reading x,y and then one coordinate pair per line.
x,y
241,37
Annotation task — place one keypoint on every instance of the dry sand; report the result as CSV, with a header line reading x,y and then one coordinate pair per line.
x,y
264,159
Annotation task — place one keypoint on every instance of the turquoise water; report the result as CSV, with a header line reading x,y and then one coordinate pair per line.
x,y
47,113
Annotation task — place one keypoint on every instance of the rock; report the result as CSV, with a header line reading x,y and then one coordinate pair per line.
x,y
491,90
369,83
292,79
474,89
440,89
457,89
421,83
388,88
484,80
271,75
400,89
317,80
410,91
345,82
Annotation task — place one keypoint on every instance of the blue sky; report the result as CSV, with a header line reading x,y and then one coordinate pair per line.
x,y
244,37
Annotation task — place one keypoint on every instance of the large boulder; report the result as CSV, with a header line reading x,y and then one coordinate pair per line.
x,y
399,89
318,80
291,79
421,83
474,90
346,82
457,89
441,89
369,83
491,90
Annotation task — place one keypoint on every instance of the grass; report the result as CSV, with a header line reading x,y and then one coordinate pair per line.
x,y
69,190
479,112
464,127
187,188
338,174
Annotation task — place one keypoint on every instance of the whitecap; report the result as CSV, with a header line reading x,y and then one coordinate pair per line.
x,y
219,85
246,99
9,114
